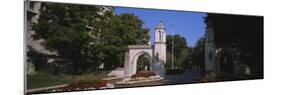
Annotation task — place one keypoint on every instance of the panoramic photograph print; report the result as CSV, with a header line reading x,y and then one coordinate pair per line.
x,y
75,47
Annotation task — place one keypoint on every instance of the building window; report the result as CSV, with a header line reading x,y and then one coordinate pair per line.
x,y
160,36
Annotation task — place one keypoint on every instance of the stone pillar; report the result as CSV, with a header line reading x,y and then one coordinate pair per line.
x,y
127,66
210,58
159,50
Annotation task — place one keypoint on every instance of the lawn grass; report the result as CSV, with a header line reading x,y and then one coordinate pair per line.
x,y
42,79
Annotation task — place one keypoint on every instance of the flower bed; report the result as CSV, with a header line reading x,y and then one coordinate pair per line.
x,y
140,77
102,84
143,74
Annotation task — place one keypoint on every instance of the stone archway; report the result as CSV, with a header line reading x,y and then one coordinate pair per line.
x,y
226,63
144,62
227,60
137,56
135,51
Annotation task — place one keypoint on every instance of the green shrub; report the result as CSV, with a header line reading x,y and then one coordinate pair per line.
x,y
212,76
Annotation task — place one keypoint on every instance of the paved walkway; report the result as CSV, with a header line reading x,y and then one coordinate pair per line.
x,y
186,77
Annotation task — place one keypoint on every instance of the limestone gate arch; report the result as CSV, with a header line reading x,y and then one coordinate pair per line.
x,y
230,60
135,51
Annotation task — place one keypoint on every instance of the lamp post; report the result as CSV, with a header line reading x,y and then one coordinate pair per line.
x,y
172,47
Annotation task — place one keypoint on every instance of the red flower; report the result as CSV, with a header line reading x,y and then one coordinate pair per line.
x,y
143,74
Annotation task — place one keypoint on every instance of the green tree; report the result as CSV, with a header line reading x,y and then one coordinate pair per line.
x,y
198,57
66,30
143,63
181,52
125,29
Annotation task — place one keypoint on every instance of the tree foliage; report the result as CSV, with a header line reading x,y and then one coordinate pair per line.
x,y
143,63
198,53
85,37
181,52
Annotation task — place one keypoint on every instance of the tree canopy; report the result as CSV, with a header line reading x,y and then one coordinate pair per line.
x,y
181,52
85,37
198,56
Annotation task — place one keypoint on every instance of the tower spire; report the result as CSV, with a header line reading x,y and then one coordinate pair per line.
x,y
160,25
160,34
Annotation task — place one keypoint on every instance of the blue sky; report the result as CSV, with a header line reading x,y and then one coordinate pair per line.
x,y
188,24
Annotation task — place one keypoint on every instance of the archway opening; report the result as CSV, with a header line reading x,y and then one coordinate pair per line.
x,y
143,63
226,63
